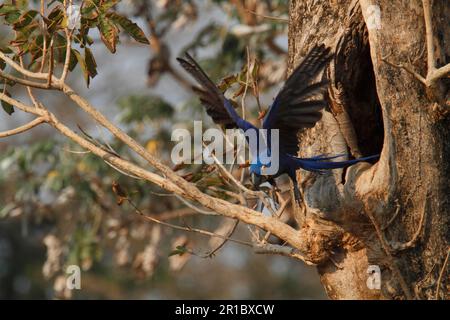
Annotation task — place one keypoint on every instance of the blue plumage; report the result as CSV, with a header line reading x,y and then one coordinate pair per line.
x,y
298,105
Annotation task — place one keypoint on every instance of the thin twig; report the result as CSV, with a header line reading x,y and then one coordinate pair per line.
x,y
23,128
68,34
394,216
278,215
429,34
28,83
433,73
22,106
51,65
177,227
76,152
269,248
44,31
268,17
29,90
441,274
25,72
122,171
169,180
406,68
396,246
220,245
193,207
246,84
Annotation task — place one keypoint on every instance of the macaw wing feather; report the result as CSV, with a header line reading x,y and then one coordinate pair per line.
x,y
300,101
210,96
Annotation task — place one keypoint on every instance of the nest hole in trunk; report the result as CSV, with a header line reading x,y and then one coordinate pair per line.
x,y
353,73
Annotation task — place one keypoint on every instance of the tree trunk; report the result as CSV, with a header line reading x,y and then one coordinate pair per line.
x,y
393,213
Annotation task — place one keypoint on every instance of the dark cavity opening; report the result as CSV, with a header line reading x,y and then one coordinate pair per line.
x,y
354,73
365,113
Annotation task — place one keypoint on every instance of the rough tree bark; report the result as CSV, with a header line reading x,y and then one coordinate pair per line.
x,y
393,213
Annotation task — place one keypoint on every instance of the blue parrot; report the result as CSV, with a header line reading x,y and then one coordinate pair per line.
x,y
295,107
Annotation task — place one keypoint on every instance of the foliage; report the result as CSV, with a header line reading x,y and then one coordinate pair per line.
x,y
68,192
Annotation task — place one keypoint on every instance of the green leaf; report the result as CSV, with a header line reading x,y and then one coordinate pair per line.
x,y
59,47
7,8
12,17
179,250
83,66
9,109
73,60
54,19
87,64
25,19
108,4
90,62
108,33
129,27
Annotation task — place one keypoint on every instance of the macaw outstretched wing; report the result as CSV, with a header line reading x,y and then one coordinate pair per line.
x,y
300,101
217,106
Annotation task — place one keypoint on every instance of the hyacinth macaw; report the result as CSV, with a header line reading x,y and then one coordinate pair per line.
x,y
295,107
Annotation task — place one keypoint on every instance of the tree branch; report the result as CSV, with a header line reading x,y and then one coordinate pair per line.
x,y
23,107
23,128
282,250
172,182
433,73
25,72
429,34
24,82
188,229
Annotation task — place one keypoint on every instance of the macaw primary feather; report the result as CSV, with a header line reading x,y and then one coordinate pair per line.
x,y
298,105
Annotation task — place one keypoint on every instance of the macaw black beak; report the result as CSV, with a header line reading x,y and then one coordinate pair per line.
x,y
256,180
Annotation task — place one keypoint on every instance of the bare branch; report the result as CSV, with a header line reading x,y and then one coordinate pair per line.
x,y
68,54
282,250
268,17
429,34
433,73
230,230
25,72
440,73
51,65
278,215
44,49
27,83
188,229
68,34
22,106
23,128
190,205
407,69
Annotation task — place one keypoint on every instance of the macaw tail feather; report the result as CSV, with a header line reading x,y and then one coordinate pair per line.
x,y
318,164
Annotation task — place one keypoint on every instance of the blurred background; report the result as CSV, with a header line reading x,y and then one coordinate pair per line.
x,y
56,204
